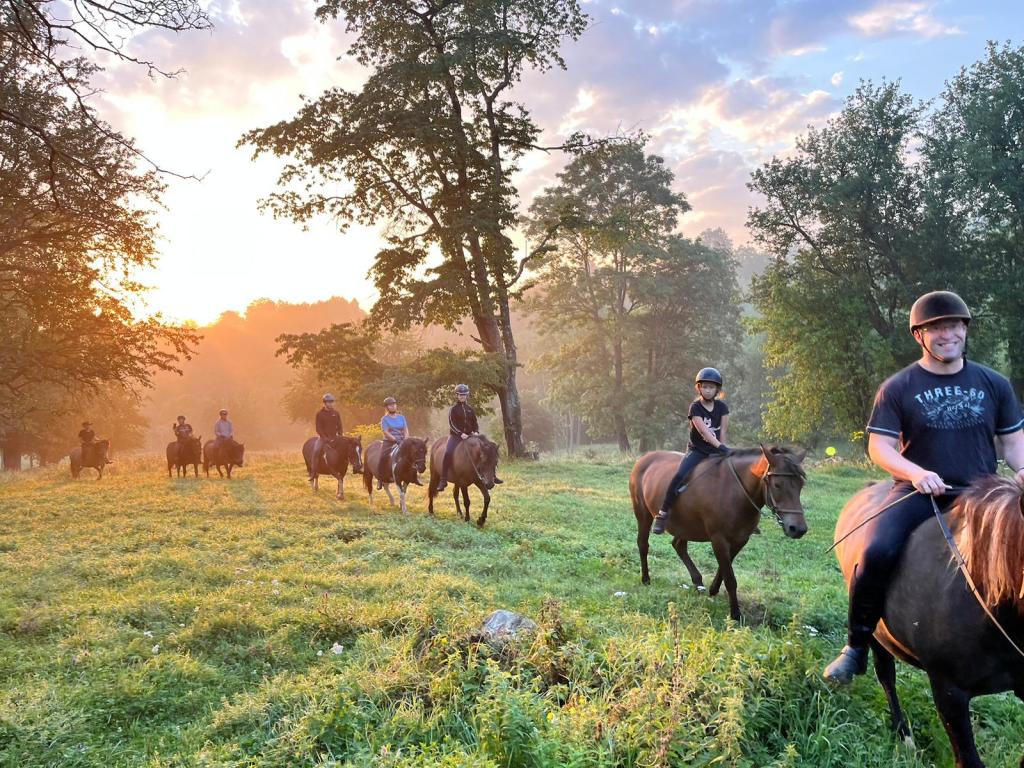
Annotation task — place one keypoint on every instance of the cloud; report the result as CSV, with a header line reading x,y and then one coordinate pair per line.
x,y
837,78
890,19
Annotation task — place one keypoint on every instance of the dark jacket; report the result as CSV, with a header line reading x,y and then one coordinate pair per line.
x,y
328,424
86,435
181,431
462,419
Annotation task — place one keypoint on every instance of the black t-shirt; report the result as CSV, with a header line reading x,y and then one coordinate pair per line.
x,y
712,419
946,423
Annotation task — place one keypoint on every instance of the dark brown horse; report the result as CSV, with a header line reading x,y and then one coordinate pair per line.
x,y
404,468
95,457
721,504
227,454
931,618
337,456
475,462
184,452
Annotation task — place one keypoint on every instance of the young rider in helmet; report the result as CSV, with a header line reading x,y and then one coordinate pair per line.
x,y
933,427
709,423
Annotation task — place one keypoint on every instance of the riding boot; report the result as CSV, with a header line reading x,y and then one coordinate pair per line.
x,y
659,522
442,484
498,480
852,660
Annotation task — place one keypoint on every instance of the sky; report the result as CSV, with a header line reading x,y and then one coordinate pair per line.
x,y
721,86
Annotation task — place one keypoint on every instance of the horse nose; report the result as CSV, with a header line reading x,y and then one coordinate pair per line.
x,y
796,530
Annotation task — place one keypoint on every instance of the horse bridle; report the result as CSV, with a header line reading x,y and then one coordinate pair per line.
x,y
766,489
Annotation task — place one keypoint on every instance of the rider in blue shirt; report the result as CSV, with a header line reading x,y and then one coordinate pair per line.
x,y
395,430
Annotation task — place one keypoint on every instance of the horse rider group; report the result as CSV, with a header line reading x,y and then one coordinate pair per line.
x,y
223,429
933,427
462,424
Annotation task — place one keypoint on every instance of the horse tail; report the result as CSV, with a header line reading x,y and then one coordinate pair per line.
x,y
367,472
640,511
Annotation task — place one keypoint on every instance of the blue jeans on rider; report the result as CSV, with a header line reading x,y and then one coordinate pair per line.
x,y
878,562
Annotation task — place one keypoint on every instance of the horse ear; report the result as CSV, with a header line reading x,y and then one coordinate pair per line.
x,y
799,454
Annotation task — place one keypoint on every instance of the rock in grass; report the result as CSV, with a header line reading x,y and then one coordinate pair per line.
x,y
502,626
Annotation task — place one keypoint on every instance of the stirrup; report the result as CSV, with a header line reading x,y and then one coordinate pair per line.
x,y
851,661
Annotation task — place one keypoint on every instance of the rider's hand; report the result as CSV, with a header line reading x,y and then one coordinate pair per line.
x,y
464,435
929,483
724,449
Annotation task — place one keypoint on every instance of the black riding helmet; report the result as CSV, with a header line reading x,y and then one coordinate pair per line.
x,y
938,305
710,375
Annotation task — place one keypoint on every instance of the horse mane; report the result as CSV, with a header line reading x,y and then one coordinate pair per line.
x,y
989,523
792,465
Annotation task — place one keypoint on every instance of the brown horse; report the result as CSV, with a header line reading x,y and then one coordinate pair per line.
x,y
931,618
338,454
96,458
408,462
475,462
182,453
722,504
227,454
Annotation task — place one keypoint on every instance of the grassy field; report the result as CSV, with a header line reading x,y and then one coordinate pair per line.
x,y
156,622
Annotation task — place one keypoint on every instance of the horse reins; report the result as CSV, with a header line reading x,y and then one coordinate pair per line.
x,y
962,565
769,499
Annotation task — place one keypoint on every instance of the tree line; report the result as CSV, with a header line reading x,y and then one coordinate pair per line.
x,y
890,198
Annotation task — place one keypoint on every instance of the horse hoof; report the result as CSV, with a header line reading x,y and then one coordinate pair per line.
x,y
646,581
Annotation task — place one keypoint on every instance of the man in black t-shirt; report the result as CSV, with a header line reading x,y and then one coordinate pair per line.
x,y
933,427
709,422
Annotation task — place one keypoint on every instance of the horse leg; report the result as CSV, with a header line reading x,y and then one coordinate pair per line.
x,y
465,502
679,545
885,671
954,707
458,506
401,497
716,583
487,502
341,487
724,558
391,497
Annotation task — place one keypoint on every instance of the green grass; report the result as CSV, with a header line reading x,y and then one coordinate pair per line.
x,y
156,622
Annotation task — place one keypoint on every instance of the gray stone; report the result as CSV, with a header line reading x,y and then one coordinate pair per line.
x,y
502,626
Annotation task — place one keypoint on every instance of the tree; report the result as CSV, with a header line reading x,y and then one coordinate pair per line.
x,y
365,369
975,151
74,222
851,229
37,33
429,145
621,298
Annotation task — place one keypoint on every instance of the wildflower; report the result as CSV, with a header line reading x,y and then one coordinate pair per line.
x,y
319,653
337,648
621,594
147,633
156,648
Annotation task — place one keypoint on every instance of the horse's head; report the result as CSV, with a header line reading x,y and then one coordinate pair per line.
x,y
485,459
353,447
100,450
784,478
235,452
413,451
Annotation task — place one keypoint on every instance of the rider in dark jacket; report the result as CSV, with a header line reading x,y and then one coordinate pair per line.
x,y
462,424
328,427
182,429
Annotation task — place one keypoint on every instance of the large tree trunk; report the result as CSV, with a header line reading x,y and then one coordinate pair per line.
x,y
497,338
11,452
619,399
